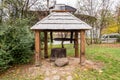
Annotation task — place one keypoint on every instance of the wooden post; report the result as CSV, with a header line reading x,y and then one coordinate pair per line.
x,y
76,44
37,48
82,46
51,37
71,37
45,45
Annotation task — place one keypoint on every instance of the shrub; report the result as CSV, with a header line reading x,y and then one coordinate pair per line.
x,y
5,59
15,44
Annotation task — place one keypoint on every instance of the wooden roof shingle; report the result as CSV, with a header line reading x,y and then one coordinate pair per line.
x,y
61,21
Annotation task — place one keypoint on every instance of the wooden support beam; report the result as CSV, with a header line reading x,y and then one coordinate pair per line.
x,y
37,48
45,45
82,46
71,37
76,45
51,37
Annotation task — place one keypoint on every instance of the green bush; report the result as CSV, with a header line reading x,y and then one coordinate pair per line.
x,y
16,44
5,59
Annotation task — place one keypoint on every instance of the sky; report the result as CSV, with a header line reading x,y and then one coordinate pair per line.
x,y
73,3
67,2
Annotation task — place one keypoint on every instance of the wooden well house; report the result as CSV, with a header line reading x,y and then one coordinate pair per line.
x,y
60,22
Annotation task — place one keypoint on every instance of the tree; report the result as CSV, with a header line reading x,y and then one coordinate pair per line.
x,y
103,15
90,8
16,40
98,9
118,17
112,26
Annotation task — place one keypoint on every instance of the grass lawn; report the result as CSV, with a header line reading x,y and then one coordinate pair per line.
x,y
109,55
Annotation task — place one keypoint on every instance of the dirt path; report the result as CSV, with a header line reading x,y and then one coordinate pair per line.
x,y
48,70
110,45
51,72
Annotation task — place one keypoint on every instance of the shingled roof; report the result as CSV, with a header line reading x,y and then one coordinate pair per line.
x,y
61,21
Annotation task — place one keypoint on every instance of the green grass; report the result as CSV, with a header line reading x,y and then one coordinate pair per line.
x,y
111,59
109,56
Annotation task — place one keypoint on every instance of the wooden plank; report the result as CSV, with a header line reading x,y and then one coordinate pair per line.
x,y
45,45
63,39
37,48
51,30
82,46
76,45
